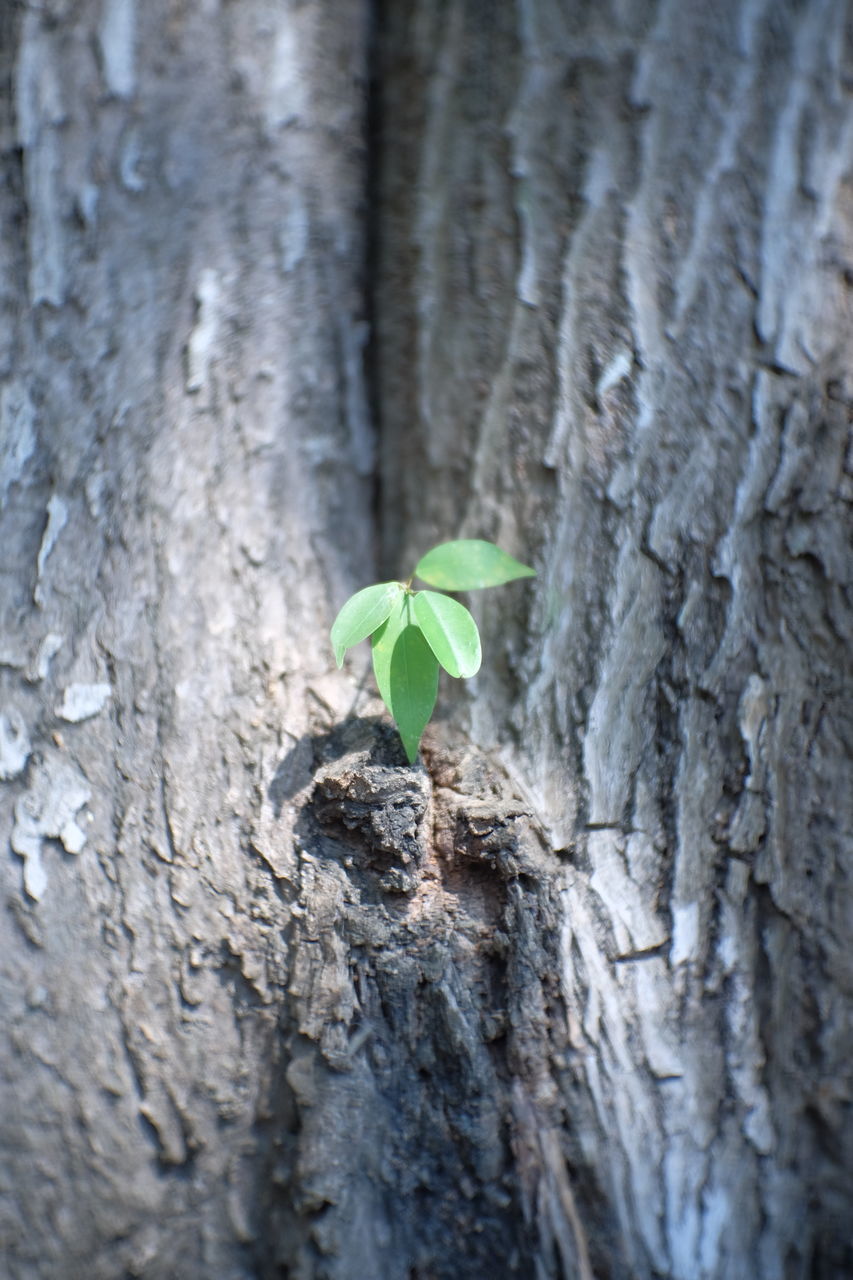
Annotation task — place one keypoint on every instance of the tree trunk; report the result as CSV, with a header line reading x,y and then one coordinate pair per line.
x,y
573,996
614,326
186,486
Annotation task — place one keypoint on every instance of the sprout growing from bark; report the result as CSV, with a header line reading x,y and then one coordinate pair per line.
x,y
413,632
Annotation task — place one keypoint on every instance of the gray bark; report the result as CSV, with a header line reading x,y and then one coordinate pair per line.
x,y
615,332
185,488
572,997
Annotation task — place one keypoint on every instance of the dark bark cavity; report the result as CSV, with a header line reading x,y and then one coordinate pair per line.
x,y
424,1046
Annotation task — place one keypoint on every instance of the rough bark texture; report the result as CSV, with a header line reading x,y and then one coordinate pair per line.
x,y
615,332
185,485
573,997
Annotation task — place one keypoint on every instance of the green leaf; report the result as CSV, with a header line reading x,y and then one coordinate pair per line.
x,y
383,648
362,614
469,563
450,632
407,674
414,686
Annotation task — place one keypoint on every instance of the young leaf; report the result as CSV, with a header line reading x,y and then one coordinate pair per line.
x,y
469,563
414,685
383,648
407,675
362,614
450,632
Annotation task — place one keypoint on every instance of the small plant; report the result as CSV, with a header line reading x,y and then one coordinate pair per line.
x,y
415,632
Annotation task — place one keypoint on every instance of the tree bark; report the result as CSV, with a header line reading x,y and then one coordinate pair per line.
x,y
186,485
615,332
572,997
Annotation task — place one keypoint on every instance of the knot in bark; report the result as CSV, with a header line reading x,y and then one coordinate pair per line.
x,y
380,813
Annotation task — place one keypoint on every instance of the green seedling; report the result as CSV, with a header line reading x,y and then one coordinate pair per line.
x,y
415,632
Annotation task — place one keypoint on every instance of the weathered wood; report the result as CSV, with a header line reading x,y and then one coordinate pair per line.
x,y
424,1023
